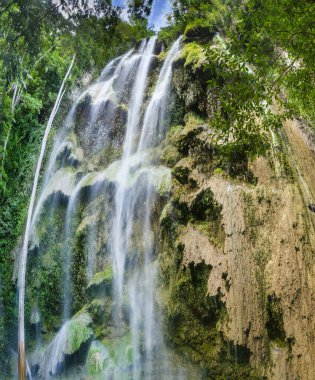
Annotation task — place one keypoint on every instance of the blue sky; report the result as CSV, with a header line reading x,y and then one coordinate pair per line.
x,y
160,8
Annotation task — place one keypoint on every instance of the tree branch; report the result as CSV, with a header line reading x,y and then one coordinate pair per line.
x,y
7,7
282,74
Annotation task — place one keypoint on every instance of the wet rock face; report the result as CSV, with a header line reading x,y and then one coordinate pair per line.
x,y
192,89
247,251
93,134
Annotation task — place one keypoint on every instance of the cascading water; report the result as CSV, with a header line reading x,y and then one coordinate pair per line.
x,y
141,278
113,199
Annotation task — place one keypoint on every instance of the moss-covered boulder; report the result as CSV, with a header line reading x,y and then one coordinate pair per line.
x,y
97,359
101,282
199,30
78,332
68,341
189,136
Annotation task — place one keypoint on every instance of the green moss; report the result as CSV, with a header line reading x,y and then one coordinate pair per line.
x,y
170,156
78,332
252,219
102,277
193,319
218,171
101,312
186,139
204,206
194,55
162,56
213,230
275,325
97,359
285,166
108,356
205,27
78,271
181,174
105,157
45,272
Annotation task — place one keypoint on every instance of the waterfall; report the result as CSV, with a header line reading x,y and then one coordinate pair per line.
x,y
155,119
121,202
123,113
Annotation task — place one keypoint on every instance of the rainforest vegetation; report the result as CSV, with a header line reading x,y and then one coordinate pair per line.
x,y
256,56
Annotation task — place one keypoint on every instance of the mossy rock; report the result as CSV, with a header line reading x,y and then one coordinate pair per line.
x,y
122,351
186,139
204,206
198,31
109,357
170,156
101,282
70,154
101,312
78,332
83,109
275,324
102,277
194,55
97,359
68,341
181,173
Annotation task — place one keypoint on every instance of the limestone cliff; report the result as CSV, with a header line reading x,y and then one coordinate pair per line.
x,y
244,238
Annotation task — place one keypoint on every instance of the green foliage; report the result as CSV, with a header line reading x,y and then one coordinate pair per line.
x,y
243,113
263,50
102,277
45,273
139,9
275,37
204,206
199,19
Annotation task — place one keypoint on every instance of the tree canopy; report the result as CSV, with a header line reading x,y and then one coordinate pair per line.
x,y
259,58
